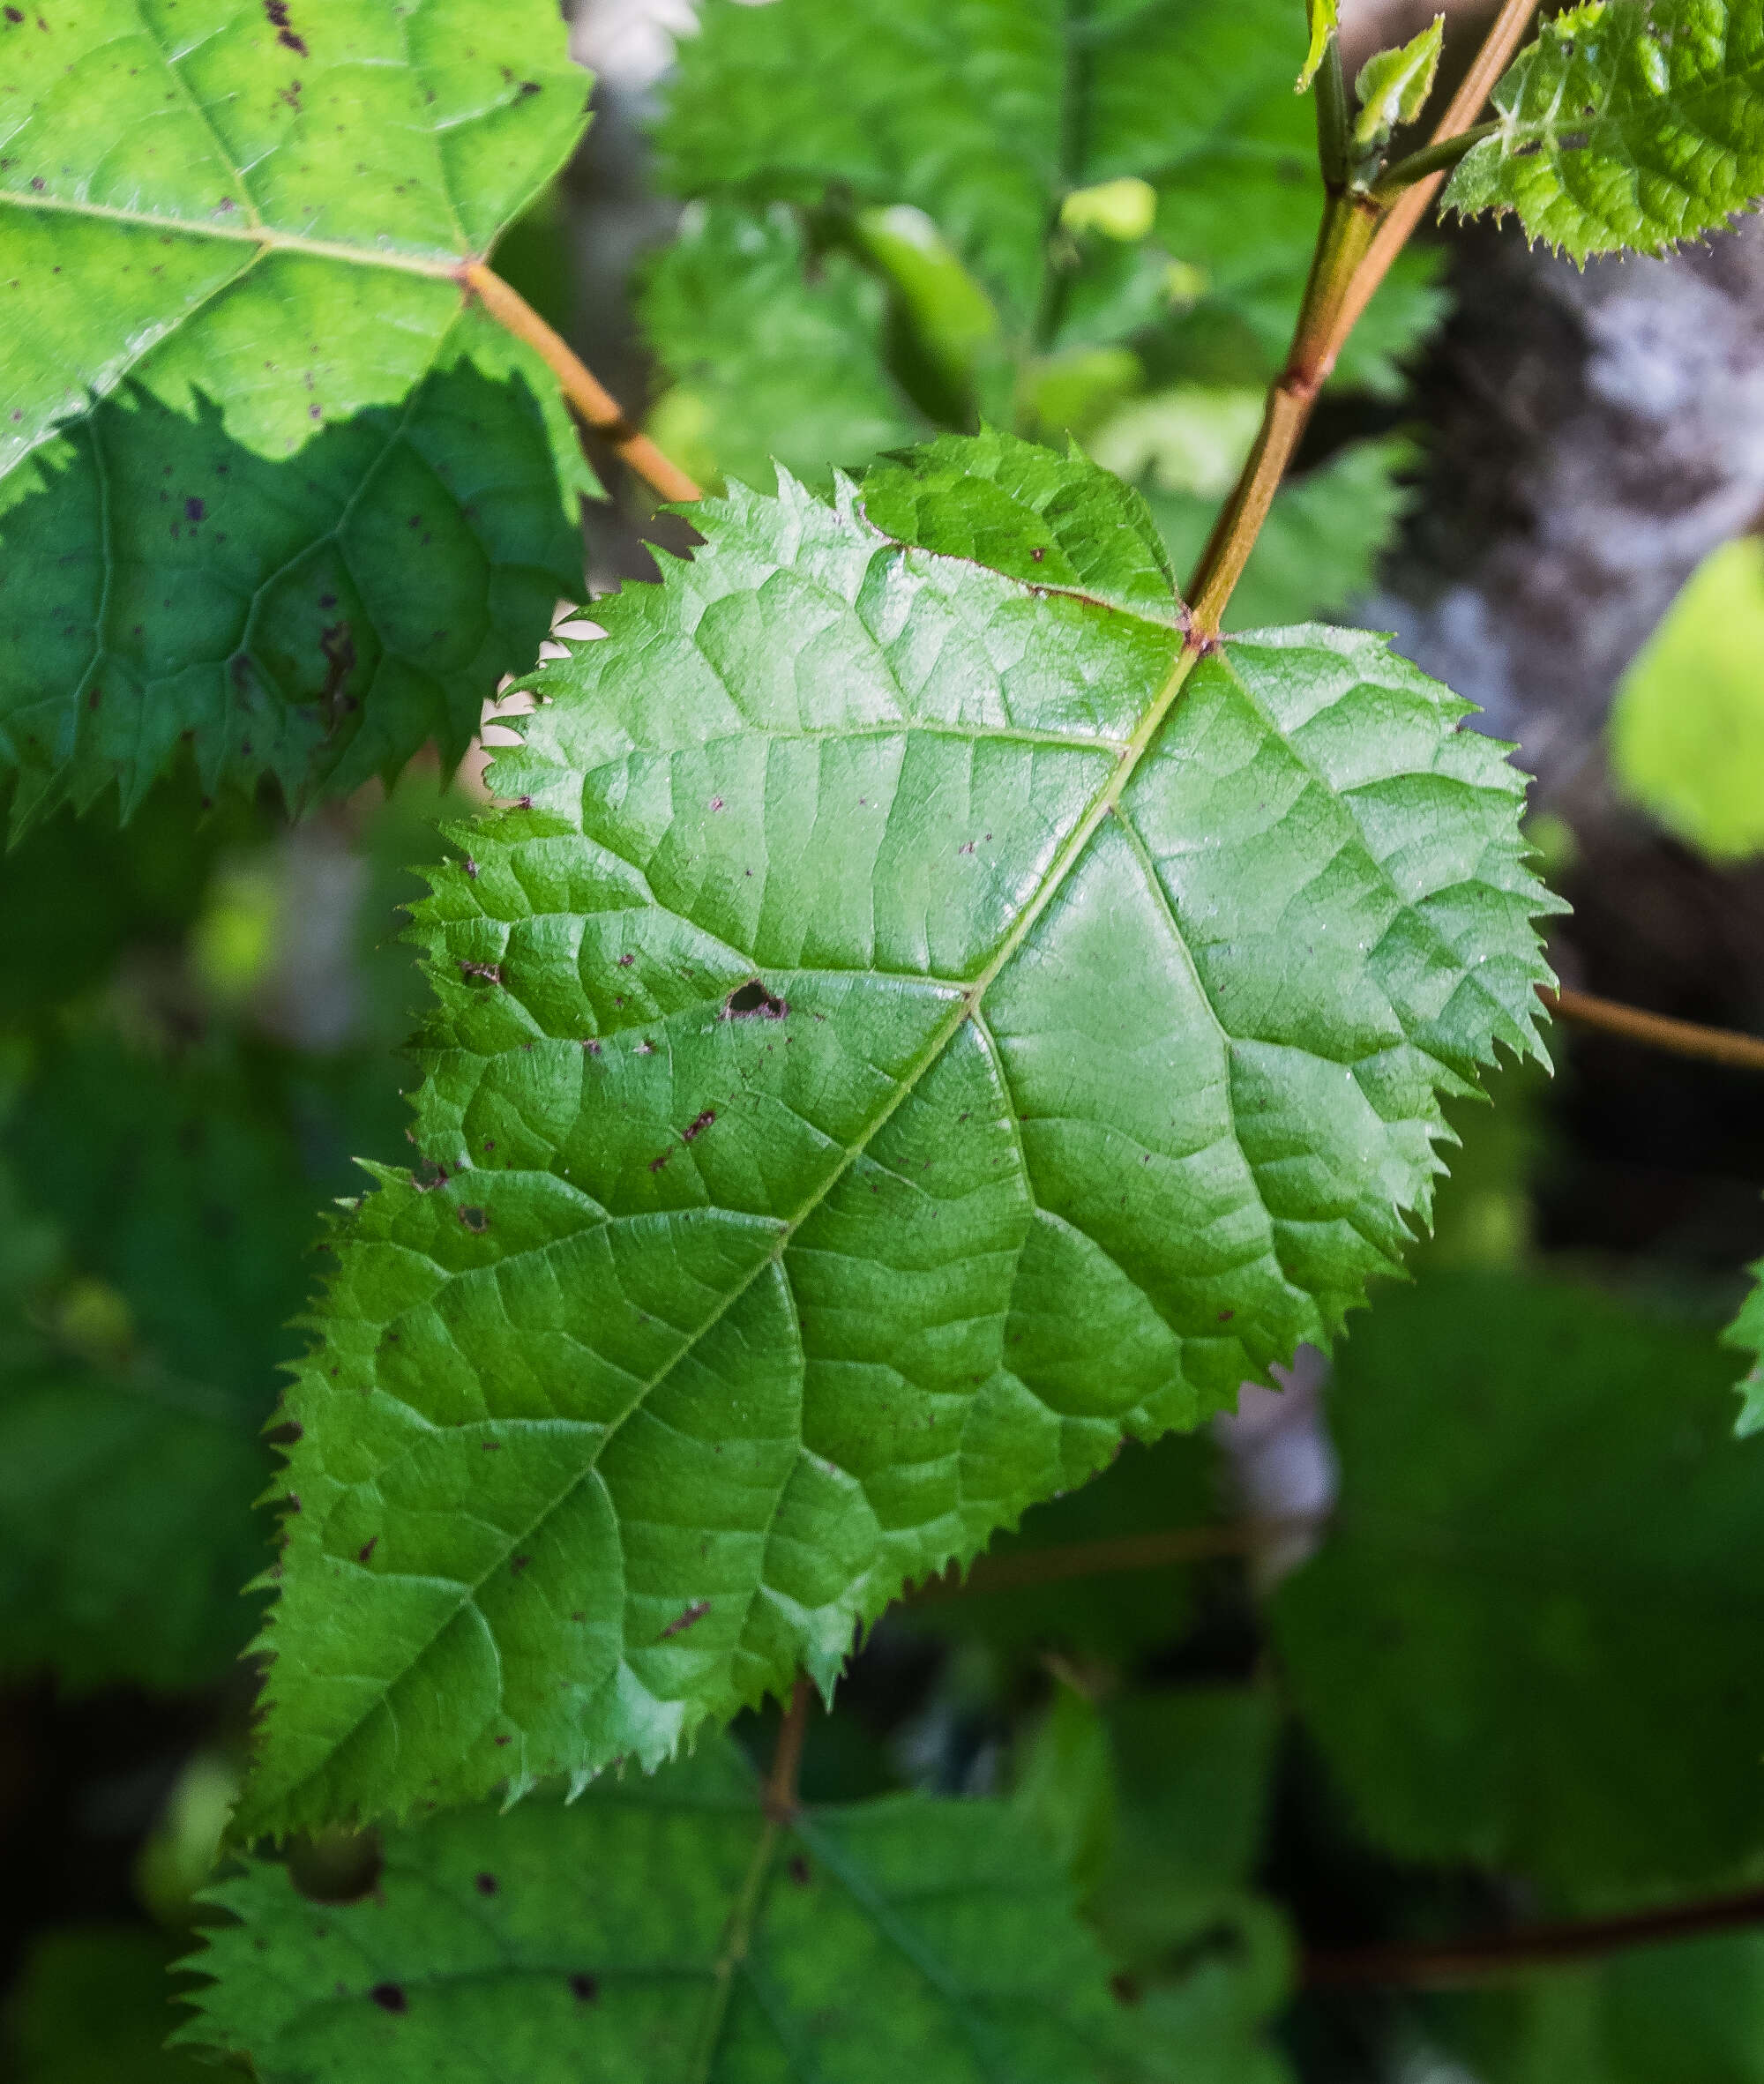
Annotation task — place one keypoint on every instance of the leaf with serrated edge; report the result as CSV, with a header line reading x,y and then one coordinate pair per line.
x,y
895,1048
268,485
668,1928
1628,123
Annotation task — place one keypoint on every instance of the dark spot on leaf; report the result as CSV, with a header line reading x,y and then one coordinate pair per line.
x,y
626,962
655,1164
799,1870
13,15
1225,1316
475,1219
696,1612
471,868
367,1547
698,1128
487,1885
285,1434
748,999
504,1740
390,1996
194,510
1038,555
481,972
338,644
585,1989
520,1563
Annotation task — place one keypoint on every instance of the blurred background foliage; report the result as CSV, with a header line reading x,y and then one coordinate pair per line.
x,y
1452,1641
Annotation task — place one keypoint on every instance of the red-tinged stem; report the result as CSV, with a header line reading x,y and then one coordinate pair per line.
x,y
598,408
1657,1031
786,1759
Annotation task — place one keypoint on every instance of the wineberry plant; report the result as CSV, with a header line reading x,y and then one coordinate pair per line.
x,y
934,994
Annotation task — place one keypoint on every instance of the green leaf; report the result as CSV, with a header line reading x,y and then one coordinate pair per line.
x,y
1324,17
1394,84
1117,1616
1210,1961
1541,1551
93,2005
667,1929
1321,544
268,487
985,116
138,1347
895,1048
772,368
1747,1334
1628,123
1687,726
1648,2015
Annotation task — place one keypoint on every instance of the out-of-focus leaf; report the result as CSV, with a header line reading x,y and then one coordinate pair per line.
x,y
1320,544
1543,1552
94,2005
1652,2015
665,1929
771,366
1687,727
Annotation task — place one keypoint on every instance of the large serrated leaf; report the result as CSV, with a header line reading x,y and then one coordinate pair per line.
x,y
1628,124
921,1023
1543,1546
667,1930
269,488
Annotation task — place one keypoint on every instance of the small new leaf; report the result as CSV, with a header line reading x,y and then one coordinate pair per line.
x,y
1628,124
668,1928
1393,85
1324,20
922,1022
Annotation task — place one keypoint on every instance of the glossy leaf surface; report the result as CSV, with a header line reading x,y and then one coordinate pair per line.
x,y
919,1026
269,488
663,1930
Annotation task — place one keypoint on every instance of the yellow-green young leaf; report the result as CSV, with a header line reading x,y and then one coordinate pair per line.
x,y
1324,17
665,1929
920,1023
1542,1545
1393,85
1687,727
1628,123
270,489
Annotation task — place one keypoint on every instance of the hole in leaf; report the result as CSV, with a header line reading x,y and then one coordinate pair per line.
x,y
748,999
390,1996
335,1867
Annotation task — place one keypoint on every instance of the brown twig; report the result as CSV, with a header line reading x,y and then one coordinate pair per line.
x,y
1359,239
1529,1946
1497,47
599,409
780,1800
1657,1031
1125,1552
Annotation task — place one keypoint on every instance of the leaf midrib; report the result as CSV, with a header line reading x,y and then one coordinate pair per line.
x,y
265,238
1077,843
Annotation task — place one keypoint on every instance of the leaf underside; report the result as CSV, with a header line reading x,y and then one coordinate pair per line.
x,y
664,1929
895,1048
270,492
1629,123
